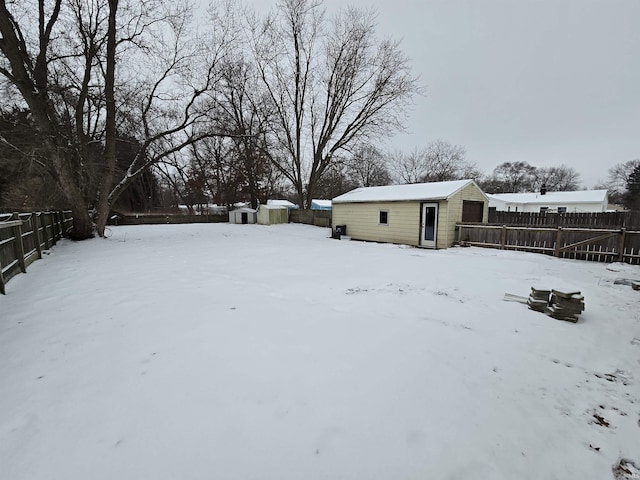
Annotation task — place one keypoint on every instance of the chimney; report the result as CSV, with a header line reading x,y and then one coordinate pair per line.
x,y
543,189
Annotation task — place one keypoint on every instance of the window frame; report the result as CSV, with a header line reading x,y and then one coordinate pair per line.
x,y
386,213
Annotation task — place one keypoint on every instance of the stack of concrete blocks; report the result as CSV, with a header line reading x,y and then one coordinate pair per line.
x,y
557,304
538,299
565,305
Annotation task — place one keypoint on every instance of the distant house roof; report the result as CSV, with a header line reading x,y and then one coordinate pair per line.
x,y
321,203
397,193
282,203
580,196
271,206
244,209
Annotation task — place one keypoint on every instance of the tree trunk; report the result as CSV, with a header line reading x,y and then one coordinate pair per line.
x,y
68,181
300,192
82,224
103,204
311,188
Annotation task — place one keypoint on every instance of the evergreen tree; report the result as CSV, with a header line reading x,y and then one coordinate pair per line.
x,y
632,195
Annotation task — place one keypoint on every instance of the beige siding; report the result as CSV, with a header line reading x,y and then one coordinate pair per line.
x,y
361,220
447,225
442,234
270,216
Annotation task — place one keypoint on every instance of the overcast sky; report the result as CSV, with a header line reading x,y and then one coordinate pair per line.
x,y
542,81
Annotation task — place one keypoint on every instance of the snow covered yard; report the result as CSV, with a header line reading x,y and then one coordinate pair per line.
x,y
219,351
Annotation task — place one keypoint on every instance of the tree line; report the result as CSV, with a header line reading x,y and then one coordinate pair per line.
x,y
113,90
135,104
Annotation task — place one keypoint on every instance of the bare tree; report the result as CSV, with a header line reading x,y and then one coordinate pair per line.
x,y
510,177
24,182
39,63
169,108
367,167
616,182
408,167
445,162
331,83
64,64
439,161
245,113
335,181
556,179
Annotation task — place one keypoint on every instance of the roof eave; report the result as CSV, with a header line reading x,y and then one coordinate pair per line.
x,y
420,199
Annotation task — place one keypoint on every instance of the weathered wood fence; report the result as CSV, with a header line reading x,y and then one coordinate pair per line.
x,y
162,218
319,218
610,220
23,238
594,244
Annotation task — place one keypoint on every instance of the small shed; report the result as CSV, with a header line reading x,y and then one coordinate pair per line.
x,y
243,215
420,214
317,204
272,214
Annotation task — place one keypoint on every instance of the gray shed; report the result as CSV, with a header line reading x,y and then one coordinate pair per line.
x,y
243,215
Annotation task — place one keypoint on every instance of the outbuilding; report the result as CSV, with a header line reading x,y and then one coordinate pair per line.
x,y
420,214
272,214
243,215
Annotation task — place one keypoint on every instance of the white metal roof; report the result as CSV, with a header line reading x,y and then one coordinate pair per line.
x,y
396,193
244,209
321,203
281,203
580,196
270,206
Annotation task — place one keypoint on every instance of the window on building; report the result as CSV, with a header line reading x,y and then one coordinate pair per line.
x,y
562,209
384,217
544,209
472,211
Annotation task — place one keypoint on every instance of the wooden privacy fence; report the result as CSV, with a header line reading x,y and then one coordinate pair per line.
x,y
23,238
594,244
163,218
319,218
610,220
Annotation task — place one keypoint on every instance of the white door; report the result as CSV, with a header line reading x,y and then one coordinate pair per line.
x,y
429,225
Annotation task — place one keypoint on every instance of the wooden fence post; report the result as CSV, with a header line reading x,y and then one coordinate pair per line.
x,y
52,224
503,237
556,251
56,221
623,239
3,291
19,246
45,230
36,233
